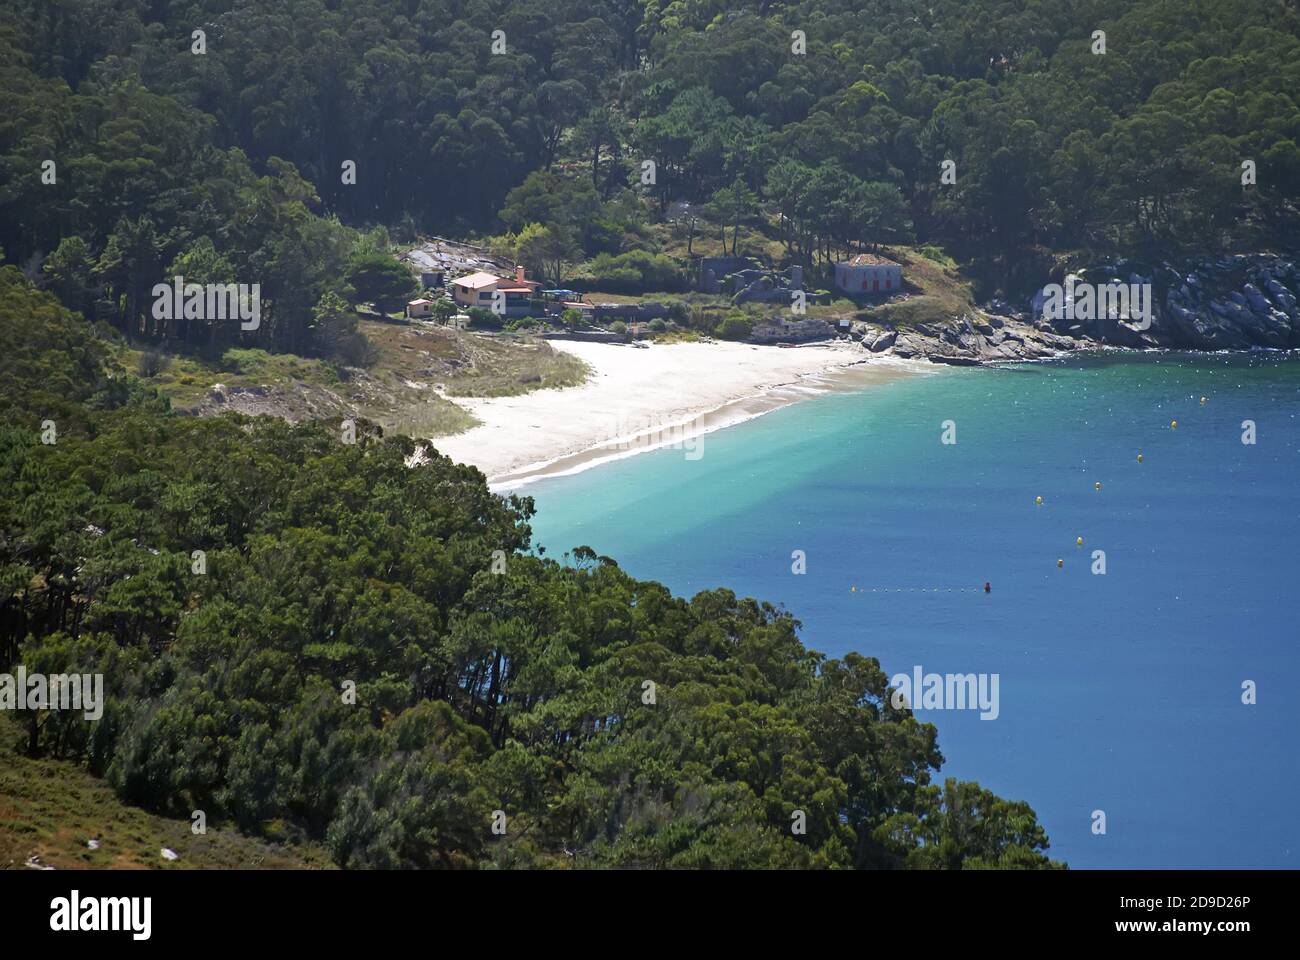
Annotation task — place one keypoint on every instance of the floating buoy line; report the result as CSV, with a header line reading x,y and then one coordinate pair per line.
x,y
1078,541
987,588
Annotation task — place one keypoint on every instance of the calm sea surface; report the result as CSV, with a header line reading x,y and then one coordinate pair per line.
x,y
1119,692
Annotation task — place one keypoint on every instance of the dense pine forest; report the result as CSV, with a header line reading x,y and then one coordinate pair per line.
x,y
307,637
824,123
370,654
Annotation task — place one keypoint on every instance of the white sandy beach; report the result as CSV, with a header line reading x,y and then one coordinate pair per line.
x,y
638,399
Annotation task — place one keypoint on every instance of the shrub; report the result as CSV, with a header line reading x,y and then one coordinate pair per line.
x,y
444,309
637,271
735,326
154,362
620,279
481,318
356,351
676,310
933,252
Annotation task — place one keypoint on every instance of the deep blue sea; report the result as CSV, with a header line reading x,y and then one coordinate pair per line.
x,y
1119,692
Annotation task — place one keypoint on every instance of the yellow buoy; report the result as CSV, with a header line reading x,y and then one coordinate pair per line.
x,y
1078,541
1060,563
853,589
1173,424
1097,485
1204,400
1139,458
1038,500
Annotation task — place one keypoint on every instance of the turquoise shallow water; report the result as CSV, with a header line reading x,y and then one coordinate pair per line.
x,y
1118,692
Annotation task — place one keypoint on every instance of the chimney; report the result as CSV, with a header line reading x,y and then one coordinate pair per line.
x,y
519,274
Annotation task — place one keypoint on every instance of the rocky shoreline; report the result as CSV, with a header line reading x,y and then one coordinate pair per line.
x,y
1244,302
967,340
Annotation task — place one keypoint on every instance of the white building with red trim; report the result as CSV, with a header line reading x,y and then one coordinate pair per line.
x,y
868,273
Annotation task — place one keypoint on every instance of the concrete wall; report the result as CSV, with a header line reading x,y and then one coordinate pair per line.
x,y
589,336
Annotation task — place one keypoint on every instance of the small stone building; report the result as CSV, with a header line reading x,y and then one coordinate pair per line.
x,y
868,273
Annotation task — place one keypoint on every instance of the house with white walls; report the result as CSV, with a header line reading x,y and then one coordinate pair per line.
x,y
868,273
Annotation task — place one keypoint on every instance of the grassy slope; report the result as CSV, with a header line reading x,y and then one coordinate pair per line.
x,y
472,365
406,390
50,809
938,291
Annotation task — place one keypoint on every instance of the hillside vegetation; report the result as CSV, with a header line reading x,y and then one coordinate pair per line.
x,y
303,636
807,128
372,655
